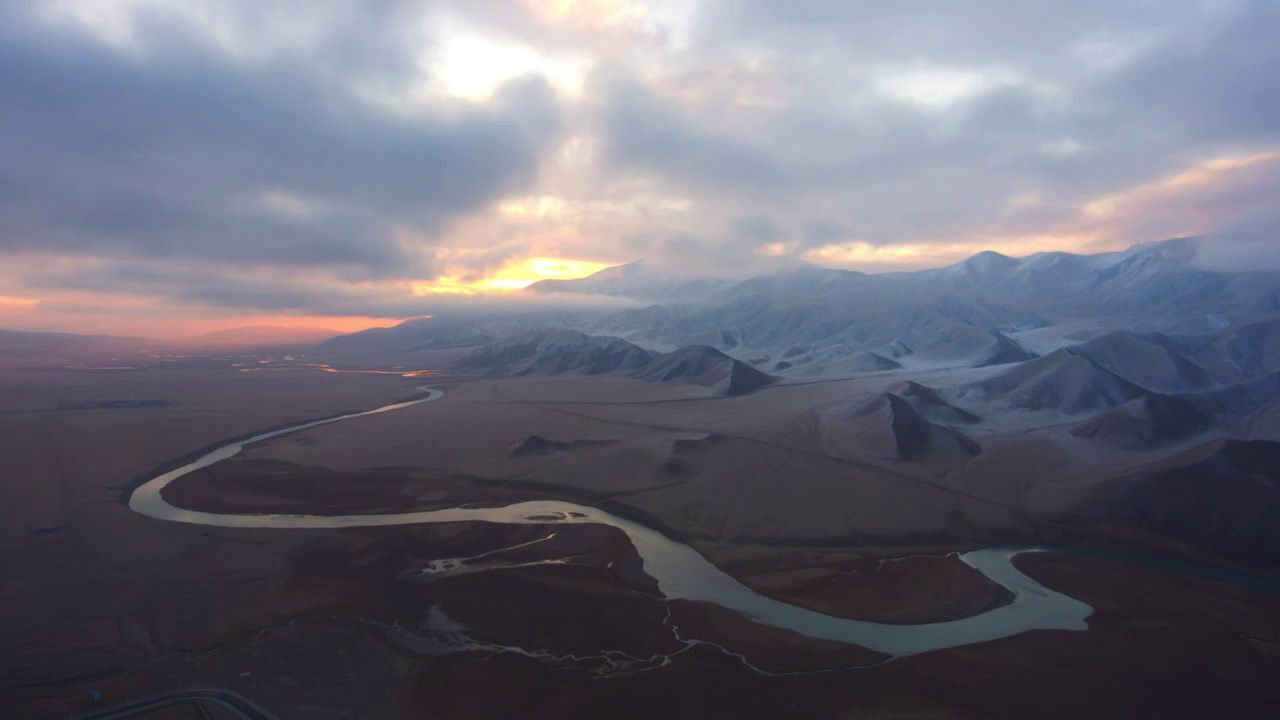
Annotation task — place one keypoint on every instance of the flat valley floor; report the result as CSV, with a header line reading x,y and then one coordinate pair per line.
x,y
561,621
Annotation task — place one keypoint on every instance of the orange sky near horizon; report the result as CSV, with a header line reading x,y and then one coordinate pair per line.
x,y
25,313
177,328
1100,224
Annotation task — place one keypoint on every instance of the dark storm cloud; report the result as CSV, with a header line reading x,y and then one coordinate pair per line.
x,y
168,151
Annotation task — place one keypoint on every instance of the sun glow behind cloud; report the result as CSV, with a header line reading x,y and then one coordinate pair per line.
x,y
8,303
532,208
593,14
471,66
514,276
934,88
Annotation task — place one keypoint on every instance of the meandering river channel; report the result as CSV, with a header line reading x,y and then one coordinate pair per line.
x,y
680,571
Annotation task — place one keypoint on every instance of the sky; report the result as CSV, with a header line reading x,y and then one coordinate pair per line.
x,y
172,168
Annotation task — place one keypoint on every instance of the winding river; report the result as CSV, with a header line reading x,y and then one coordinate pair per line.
x,y
681,573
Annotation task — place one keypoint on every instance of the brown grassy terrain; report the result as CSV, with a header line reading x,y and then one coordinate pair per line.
x,y
312,623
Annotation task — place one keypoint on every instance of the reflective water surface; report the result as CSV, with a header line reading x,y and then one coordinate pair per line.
x,y
681,573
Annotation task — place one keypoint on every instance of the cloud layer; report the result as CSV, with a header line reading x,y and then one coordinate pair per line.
x,y
343,158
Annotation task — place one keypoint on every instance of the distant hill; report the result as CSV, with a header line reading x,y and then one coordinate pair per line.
x,y
1062,381
969,346
1153,311
536,445
965,315
411,335
1223,495
1143,391
931,404
633,280
856,364
1151,360
1239,352
560,351
889,427
555,352
1146,423
702,365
